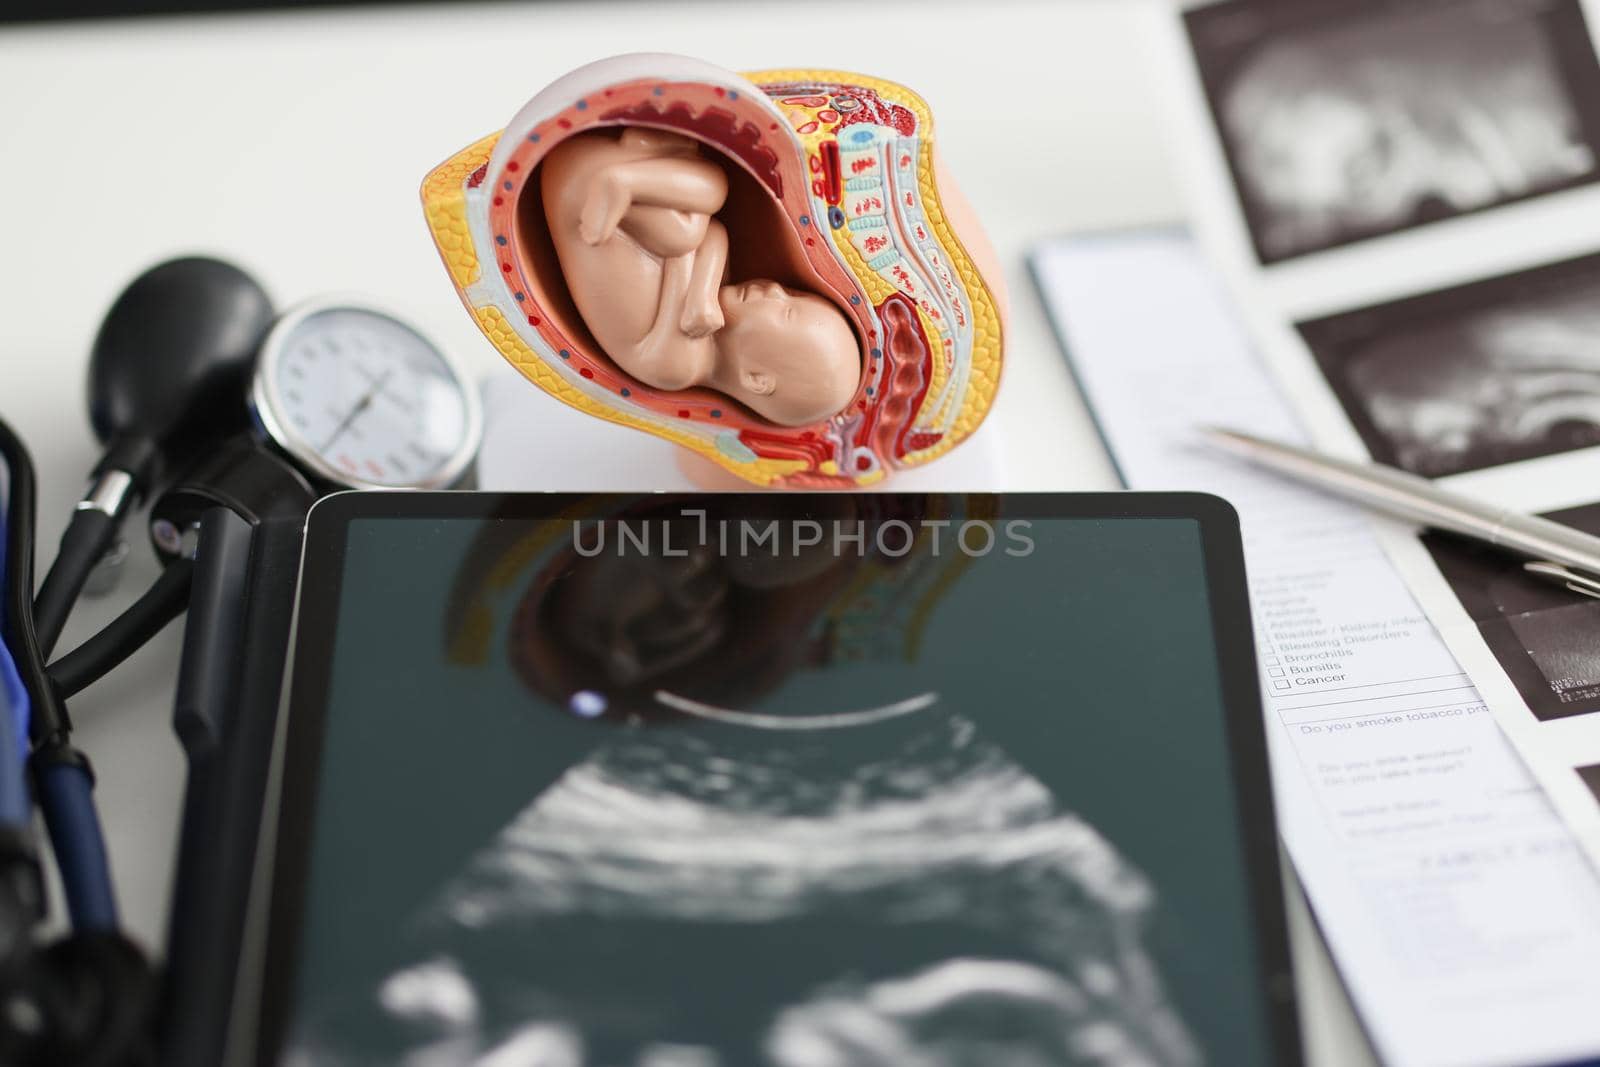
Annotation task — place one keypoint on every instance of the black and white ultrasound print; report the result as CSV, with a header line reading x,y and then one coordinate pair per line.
x,y
1477,376
1545,638
1344,121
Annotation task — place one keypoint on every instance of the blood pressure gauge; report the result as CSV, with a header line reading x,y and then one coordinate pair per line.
x,y
360,399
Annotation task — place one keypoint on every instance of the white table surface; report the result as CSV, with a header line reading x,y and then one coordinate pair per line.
x,y
294,144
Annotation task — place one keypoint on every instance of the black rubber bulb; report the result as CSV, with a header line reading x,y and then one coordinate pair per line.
x,y
172,362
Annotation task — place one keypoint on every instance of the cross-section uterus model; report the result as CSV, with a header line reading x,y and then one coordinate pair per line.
x,y
773,271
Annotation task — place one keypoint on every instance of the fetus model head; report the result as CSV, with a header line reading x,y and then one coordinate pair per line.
x,y
790,356
773,271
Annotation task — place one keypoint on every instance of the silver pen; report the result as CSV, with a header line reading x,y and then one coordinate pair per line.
x,y
1559,553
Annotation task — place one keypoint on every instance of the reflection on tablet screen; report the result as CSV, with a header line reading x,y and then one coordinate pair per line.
x,y
898,781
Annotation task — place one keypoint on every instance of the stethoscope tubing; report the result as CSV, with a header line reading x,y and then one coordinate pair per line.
x,y
62,779
15,806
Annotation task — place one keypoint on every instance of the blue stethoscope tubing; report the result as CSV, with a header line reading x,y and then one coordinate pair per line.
x,y
63,783
16,807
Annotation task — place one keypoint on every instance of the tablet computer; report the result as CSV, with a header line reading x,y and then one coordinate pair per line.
x,y
782,780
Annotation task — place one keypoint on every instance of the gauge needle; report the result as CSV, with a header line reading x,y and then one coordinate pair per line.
x,y
361,405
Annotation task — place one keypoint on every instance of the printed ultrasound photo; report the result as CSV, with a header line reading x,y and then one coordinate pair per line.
x,y
1347,119
1476,376
1591,778
1545,638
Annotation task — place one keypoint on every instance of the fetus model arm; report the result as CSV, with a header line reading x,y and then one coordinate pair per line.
x,y
702,313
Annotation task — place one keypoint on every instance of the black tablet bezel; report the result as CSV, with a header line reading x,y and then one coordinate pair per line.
x,y
283,877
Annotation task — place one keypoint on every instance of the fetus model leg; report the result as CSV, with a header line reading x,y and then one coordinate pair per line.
x,y
662,231
691,279
671,177
687,306
665,204
643,256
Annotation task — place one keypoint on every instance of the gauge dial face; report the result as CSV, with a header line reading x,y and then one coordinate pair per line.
x,y
365,400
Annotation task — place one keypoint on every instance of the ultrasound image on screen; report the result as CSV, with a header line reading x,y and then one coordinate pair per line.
x,y
1477,376
1343,121
929,825
863,789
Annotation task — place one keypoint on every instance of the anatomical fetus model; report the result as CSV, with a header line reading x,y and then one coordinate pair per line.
x,y
773,271
632,215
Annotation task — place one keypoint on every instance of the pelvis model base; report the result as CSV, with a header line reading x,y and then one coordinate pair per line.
x,y
772,271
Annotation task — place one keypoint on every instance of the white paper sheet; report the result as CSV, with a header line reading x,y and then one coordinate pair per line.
x,y
1405,201
1462,917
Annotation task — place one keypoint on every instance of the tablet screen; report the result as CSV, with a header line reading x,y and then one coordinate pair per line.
x,y
774,781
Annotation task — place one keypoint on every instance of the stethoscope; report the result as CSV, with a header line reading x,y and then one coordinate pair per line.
x,y
203,399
